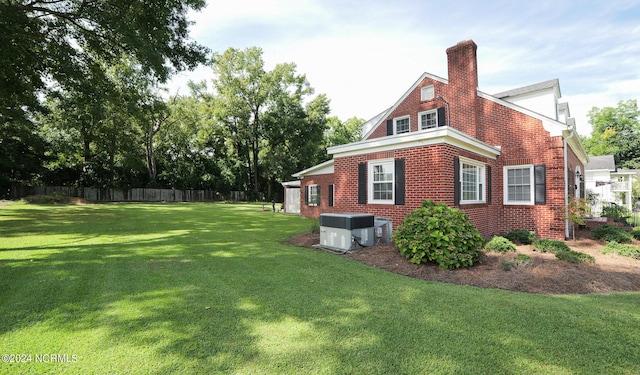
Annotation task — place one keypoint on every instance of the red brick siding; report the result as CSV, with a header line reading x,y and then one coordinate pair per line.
x,y
429,169
322,180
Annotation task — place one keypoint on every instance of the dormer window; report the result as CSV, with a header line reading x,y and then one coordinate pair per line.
x,y
427,93
401,124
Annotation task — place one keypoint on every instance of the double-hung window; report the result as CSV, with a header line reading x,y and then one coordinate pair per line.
x,y
428,119
473,181
402,125
519,184
313,195
381,181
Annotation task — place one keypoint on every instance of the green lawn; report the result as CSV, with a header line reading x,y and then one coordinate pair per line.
x,y
214,288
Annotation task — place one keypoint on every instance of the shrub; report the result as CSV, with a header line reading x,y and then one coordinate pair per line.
x,y
523,237
635,232
610,233
617,213
500,245
315,227
551,246
573,256
562,251
624,250
521,260
438,233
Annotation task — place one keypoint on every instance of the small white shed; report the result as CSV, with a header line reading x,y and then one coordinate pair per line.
x,y
292,197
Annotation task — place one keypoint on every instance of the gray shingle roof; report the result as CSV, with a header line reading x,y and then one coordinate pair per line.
x,y
528,89
600,162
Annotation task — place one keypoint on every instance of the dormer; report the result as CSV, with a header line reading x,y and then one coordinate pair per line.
x,y
541,98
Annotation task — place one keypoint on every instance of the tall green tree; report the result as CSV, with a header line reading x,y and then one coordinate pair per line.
x,y
616,131
246,94
191,148
47,44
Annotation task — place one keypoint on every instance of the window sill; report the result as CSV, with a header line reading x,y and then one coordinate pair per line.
x,y
473,205
519,204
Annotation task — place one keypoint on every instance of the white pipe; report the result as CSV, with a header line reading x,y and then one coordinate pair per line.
x,y
566,184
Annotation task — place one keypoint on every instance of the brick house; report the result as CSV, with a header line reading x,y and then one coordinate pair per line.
x,y
510,161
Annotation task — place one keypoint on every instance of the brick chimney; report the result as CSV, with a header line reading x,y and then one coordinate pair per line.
x,y
463,85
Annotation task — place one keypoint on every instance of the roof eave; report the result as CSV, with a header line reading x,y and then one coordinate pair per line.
x,y
439,135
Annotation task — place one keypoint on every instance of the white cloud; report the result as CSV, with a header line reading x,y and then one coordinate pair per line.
x,y
365,55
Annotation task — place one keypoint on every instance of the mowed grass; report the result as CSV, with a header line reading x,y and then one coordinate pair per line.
x,y
215,289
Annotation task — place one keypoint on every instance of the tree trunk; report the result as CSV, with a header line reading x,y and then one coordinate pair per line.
x,y
151,158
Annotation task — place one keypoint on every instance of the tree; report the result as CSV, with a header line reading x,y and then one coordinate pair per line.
x,y
191,147
616,131
340,133
22,152
49,44
293,137
246,95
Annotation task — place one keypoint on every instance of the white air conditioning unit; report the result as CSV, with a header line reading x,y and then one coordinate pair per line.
x,y
345,231
383,229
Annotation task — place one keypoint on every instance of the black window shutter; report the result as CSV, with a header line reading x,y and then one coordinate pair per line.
x,y
571,183
456,181
540,182
442,117
318,197
306,195
389,127
488,184
362,183
330,195
399,182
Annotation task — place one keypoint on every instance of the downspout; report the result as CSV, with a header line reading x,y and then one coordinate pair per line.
x,y
566,183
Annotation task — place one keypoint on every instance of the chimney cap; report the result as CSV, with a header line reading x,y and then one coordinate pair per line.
x,y
462,44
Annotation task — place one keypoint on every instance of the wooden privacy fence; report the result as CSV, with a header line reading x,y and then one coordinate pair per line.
x,y
131,195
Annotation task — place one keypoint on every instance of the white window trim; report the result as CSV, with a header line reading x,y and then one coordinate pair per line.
x,y
370,181
424,89
395,124
308,197
483,180
435,110
532,185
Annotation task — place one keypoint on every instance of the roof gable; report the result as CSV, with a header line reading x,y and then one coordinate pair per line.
x,y
378,120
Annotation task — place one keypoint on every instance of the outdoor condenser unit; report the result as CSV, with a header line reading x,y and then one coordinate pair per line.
x,y
383,229
343,231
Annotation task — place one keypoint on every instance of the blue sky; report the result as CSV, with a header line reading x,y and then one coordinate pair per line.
x,y
365,54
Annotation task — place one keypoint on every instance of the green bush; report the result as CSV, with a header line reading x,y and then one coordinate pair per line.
x,y
550,246
500,245
573,256
315,227
624,250
523,237
562,251
618,213
610,233
635,232
438,233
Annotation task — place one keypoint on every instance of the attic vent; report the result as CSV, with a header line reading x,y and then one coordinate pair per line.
x,y
427,93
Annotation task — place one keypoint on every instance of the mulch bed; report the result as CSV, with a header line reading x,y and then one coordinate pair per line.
x,y
547,274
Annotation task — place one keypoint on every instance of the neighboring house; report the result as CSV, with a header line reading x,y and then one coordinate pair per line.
x,y
605,184
508,167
